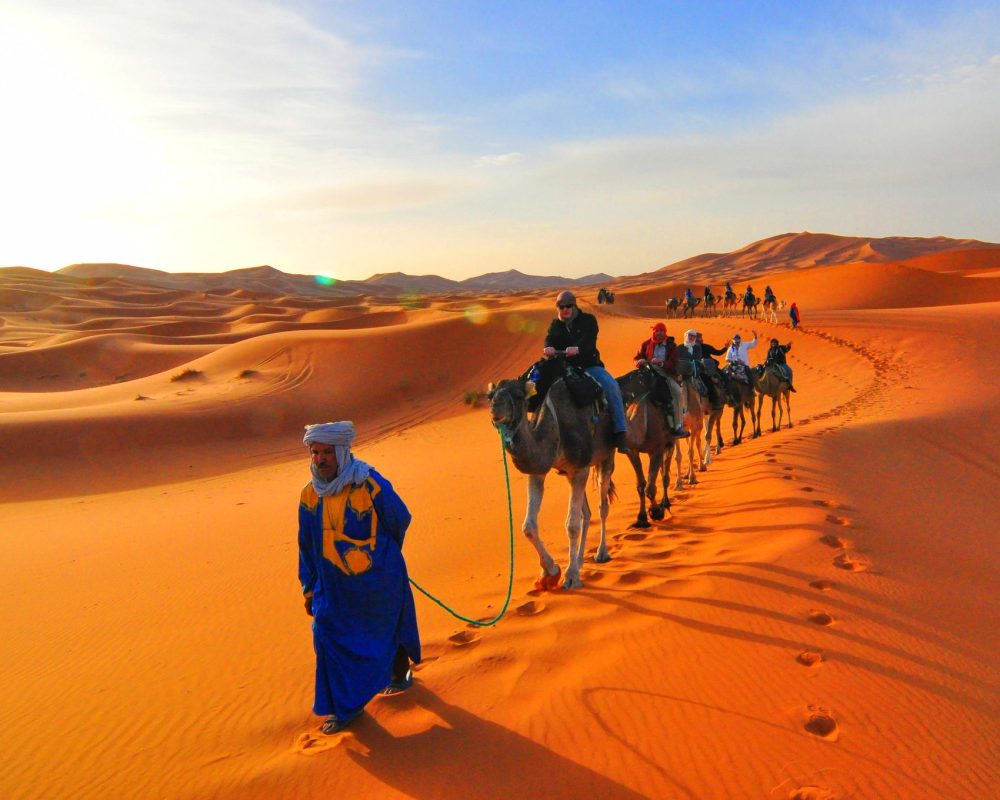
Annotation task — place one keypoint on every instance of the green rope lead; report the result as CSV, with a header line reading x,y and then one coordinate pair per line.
x,y
510,580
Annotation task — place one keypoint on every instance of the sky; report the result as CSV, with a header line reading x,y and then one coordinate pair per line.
x,y
458,138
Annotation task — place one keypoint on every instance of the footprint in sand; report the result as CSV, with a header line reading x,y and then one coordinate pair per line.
x,y
634,537
822,724
530,608
788,469
464,638
661,555
851,562
629,578
772,459
811,793
820,618
822,585
825,503
591,576
810,658
808,489
834,541
311,744
837,520
789,477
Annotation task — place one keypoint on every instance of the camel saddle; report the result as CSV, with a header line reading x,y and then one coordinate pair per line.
x,y
583,389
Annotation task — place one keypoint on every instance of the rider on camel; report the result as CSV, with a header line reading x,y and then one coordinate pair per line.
x,y
748,294
711,367
738,358
659,352
776,356
688,296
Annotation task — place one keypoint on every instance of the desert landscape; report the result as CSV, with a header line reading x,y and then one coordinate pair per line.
x,y
815,619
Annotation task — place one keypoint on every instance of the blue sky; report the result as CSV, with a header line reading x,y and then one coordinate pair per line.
x,y
348,138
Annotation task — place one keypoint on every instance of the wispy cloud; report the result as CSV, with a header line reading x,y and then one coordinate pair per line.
x,y
500,160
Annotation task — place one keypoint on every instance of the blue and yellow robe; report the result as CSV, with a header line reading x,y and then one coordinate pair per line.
x,y
351,564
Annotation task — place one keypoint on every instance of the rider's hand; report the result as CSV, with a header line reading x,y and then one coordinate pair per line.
x,y
657,361
548,352
641,362
572,351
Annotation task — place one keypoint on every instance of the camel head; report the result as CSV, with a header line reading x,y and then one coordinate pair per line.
x,y
635,383
508,403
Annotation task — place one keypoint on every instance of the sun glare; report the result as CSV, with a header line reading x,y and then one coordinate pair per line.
x,y
72,162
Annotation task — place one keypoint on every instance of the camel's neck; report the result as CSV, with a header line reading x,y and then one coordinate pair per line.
x,y
533,447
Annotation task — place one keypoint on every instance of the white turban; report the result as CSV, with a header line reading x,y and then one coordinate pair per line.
x,y
351,470
336,433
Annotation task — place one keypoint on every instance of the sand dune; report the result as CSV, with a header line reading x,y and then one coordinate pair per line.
x,y
815,619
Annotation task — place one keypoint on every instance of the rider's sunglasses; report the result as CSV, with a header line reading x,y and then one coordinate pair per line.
x,y
566,305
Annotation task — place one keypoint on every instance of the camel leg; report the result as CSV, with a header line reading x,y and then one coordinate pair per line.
x,y
756,419
708,444
641,521
775,423
788,405
656,510
602,556
549,579
574,526
679,458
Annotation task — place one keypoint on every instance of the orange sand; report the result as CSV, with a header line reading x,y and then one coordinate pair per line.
x,y
818,612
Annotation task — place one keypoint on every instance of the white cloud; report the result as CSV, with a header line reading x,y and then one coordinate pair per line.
x,y
500,160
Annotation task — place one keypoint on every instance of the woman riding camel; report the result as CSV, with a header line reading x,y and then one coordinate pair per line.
x,y
776,355
659,352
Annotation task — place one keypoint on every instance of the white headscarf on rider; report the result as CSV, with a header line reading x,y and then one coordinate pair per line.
x,y
351,469
690,339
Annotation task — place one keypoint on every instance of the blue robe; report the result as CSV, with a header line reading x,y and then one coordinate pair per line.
x,y
351,564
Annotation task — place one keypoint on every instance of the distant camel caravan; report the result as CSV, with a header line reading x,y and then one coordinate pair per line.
x,y
750,303
605,296
562,437
673,303
690,306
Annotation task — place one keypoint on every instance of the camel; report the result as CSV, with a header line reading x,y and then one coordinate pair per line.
x,y
693,420
739,397
750,302
711,305
690,306
604,296
648,432
769,382
672,305
769,307
713,413
729,303
564,438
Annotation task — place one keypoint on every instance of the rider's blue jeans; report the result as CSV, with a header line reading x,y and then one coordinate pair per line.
x,y
613,394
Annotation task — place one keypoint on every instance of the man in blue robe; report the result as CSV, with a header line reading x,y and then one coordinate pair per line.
x,y
351,529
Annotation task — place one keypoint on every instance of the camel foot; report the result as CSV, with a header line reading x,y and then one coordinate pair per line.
x,y
656,512
546,582
789,424
602,556
572,582
704,467
693,480
641,523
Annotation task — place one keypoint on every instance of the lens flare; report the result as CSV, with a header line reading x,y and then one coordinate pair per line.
x,y
477,314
